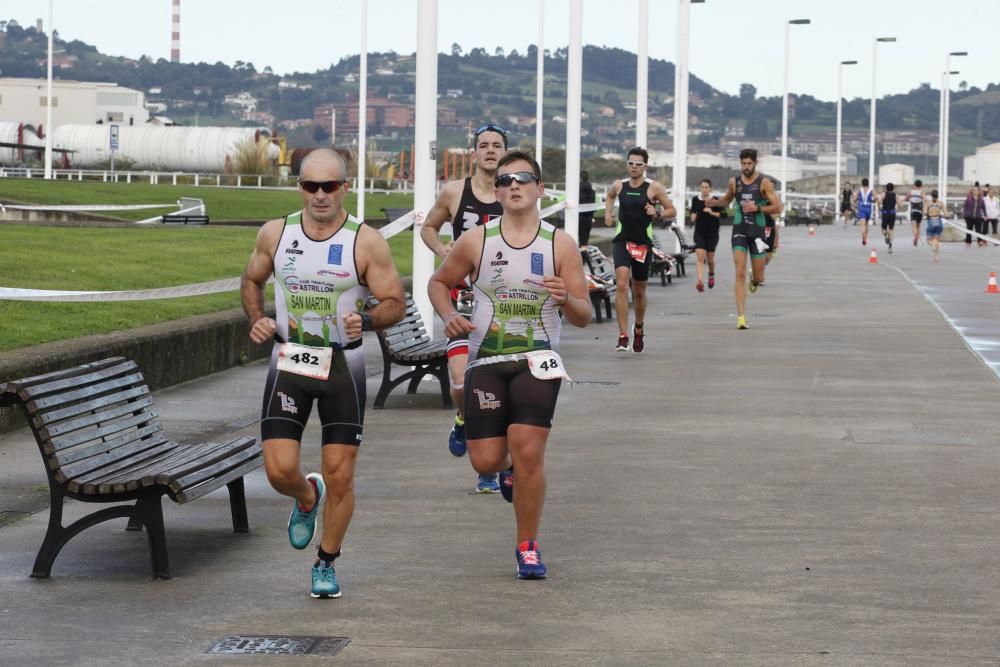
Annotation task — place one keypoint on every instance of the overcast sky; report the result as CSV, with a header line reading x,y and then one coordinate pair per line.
x,y
732,41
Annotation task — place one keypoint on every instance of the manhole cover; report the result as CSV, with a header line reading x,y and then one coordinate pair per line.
x,y
600,383
275,645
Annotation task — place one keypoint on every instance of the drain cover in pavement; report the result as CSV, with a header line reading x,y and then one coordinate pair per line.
x,y
275,645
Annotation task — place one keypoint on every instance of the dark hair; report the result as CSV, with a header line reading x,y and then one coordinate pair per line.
x,y
918,182
934,194
889,187
864,182
490,127
638,150
748,153
705,180
584,176
514,156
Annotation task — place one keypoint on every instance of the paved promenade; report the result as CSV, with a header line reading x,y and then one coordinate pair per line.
x,y
823,489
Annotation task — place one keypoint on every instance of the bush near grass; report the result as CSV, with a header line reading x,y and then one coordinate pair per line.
x,y
80,258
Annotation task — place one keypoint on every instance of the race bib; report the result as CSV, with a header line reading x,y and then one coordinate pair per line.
x,y
313,362
546,365
637,251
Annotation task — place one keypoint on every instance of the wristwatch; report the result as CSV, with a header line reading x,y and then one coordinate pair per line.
x,y
366,322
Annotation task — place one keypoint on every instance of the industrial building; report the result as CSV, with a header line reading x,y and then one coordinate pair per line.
x,y
73,102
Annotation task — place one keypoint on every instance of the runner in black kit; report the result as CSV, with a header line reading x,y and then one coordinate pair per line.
x,y
888,201
916,201
706,233
845,203
467,203
756,201
324,267
637,198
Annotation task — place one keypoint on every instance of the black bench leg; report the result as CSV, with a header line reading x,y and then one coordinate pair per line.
x,y
386,386
607,306
238,506
595,301
57,535
445,379
135,521
152,517
411,388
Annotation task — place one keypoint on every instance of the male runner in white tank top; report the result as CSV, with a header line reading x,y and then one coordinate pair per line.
x,y
523,270
324,266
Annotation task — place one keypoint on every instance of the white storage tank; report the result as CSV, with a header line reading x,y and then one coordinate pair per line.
x,y
969,168
771,164
988,164
18,133
169,148
895,173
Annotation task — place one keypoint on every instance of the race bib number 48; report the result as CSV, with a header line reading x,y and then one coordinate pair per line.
x,y
305,360
546,365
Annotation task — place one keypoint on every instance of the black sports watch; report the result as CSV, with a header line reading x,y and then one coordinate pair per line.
x,y
366,322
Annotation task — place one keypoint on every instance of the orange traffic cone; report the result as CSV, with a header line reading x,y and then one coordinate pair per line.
x,y
874,257
991,284
812,231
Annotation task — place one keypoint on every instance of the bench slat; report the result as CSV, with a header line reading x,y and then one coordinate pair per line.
x,y
81,460
111,400
15,386
153,447
80,437
142,472
233,453
55,430
63,384
196,492
85,392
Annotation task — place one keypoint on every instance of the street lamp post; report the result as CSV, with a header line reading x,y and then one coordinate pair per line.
x,y
48,103
784,117
642,76
944,122
681,109
840,121
871,138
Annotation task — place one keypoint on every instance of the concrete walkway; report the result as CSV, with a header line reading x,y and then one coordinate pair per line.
x,y
821,489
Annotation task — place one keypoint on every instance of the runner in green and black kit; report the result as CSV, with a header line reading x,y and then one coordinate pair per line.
x,y
756,199
637,197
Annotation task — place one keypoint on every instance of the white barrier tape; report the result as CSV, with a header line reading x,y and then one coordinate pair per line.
x,y
555,208
197,289
966,230
398,225
86,207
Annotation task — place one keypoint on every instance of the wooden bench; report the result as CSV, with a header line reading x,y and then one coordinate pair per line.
x,y
409,344
184,219
101,442
679,257
601,280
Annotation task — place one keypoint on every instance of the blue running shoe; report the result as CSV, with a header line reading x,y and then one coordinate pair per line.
x,y
456,440
506,482
488,483
302,525
324,584
529,561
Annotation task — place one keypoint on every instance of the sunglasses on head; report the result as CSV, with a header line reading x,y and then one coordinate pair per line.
x,y
504,180
312,187
490,127
634,163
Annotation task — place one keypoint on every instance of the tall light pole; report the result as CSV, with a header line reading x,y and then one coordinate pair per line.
x,y
540,84
784,117
944,123
425,149
48,104
574,106
642,76
681,110
871,137
362,113
840,121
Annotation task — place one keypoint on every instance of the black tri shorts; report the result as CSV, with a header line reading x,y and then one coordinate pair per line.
x,y
640,270
504,393
288,400
888,219
916,217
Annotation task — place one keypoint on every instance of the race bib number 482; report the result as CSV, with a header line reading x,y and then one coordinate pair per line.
x,y
305,360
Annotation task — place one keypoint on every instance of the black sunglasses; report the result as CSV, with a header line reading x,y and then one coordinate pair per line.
x,y
505,180
312,187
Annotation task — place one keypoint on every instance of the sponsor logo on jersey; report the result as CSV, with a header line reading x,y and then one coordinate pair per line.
x,y
335,274
292,284
537,263
507,293
531,282
499,260
487,400
335,254
288,403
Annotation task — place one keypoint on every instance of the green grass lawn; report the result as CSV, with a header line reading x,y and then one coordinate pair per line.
x,y
83,258
221,203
